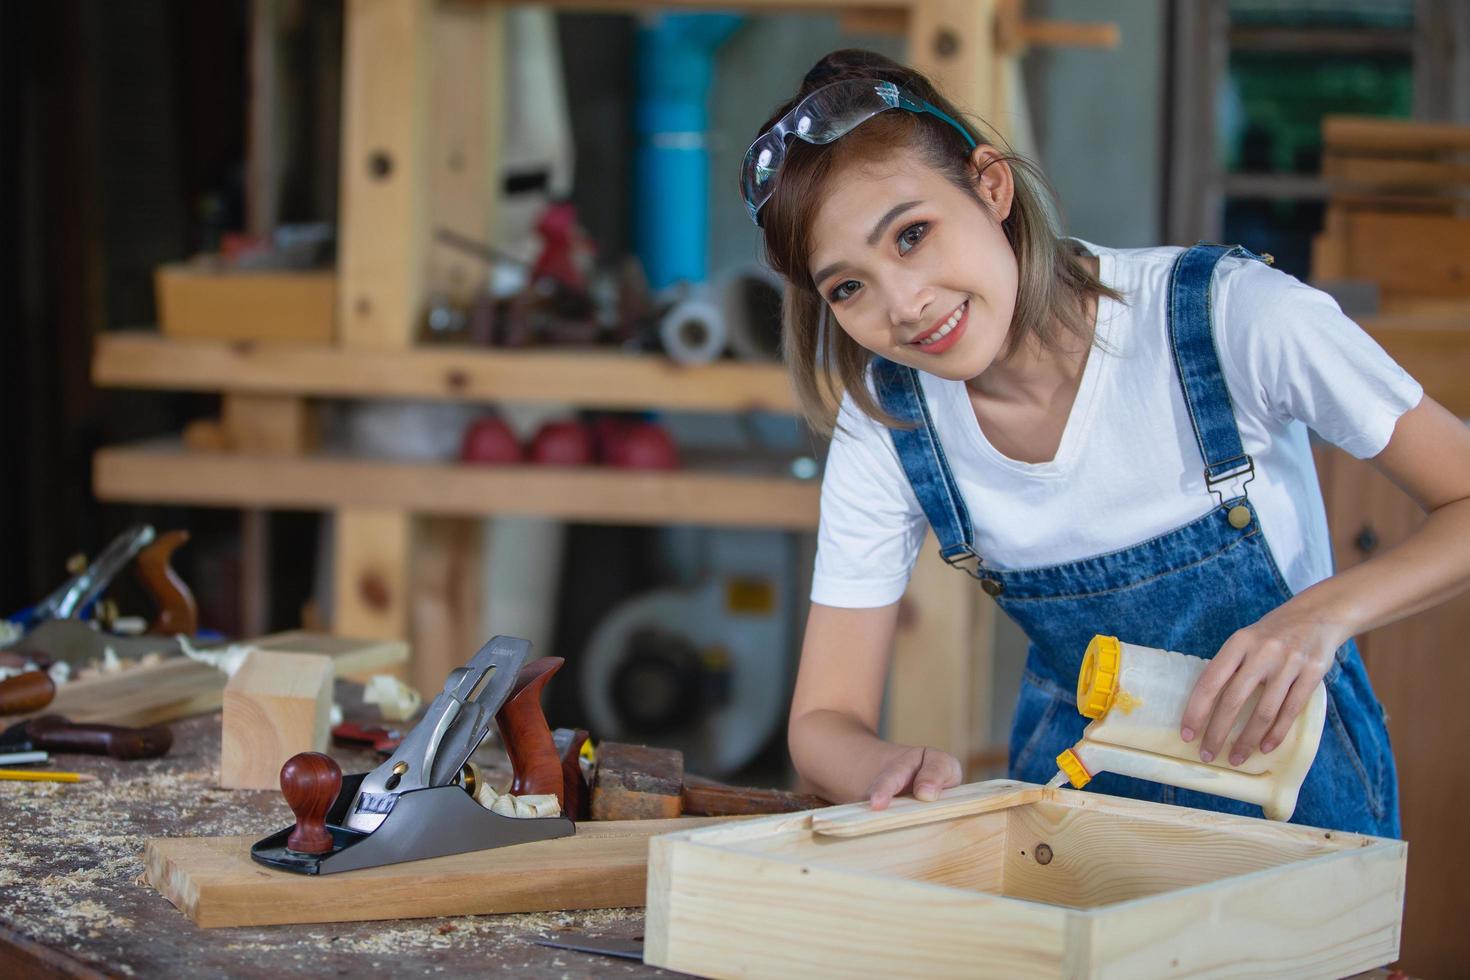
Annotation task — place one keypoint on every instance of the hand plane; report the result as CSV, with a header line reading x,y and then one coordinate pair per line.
x,y
419,803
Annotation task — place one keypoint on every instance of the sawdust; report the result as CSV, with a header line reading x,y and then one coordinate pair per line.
x,y
71,877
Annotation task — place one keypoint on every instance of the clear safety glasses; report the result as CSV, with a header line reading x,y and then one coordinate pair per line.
x,y
829,113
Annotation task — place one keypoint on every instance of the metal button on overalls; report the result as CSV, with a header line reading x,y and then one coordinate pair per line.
x,y
991,586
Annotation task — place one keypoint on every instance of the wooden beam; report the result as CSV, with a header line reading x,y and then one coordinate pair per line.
x,y
583,378
384,211
370,572
466,106
165,473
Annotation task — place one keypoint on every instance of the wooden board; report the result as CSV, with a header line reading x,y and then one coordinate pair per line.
x,y
593,378
1016,880
179,687
165,472
215,883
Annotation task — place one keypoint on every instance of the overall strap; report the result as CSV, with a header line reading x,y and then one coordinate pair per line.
x,y
900,395
1191,338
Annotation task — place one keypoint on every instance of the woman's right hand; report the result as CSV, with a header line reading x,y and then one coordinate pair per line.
x,y
923,771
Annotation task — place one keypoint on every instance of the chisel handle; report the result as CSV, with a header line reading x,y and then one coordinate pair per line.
x,y
53,733
26,692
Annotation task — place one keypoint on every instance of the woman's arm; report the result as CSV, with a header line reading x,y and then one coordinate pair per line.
x,y
1291,649
833,729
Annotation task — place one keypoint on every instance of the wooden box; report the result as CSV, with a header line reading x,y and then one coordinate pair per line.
x,y
200,301
1007,879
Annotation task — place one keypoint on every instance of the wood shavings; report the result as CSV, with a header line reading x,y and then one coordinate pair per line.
x,y
395,699
227,659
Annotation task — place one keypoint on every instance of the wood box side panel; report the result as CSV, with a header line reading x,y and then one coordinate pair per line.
x,y
1097,857
723,912
1332,915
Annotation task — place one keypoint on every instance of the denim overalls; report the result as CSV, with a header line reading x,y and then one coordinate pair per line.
x,y
1188,589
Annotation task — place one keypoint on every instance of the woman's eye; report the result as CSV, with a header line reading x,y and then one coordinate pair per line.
x,y
843,290
911,236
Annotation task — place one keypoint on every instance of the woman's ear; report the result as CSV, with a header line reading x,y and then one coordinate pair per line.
x,y
993,181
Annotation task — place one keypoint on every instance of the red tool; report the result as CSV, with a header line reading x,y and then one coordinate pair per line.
x,y
383,740
563,444
490,440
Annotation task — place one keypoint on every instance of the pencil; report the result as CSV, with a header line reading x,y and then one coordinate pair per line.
x,y
48,777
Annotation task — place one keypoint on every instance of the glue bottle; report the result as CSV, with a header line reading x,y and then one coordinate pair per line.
x,y
1137,695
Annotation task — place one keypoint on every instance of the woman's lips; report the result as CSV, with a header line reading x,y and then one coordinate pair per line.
x,y
948,340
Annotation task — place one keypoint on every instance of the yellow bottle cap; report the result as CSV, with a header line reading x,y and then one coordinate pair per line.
x,y
1076,772
1097,681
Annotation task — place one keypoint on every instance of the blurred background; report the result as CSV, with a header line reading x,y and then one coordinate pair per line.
x,y
434,320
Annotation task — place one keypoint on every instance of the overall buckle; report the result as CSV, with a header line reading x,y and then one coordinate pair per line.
x,y
1239,515
965,559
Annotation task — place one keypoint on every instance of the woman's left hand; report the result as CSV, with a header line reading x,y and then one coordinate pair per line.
x,y
1285,654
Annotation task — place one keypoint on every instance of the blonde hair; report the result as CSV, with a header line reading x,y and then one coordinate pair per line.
x,y
1054,289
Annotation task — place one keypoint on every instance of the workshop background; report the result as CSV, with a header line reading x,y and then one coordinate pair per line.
x,y
559,415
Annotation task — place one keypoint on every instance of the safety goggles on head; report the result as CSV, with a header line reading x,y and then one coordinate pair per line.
x,y
829,113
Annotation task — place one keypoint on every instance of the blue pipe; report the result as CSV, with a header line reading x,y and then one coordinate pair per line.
x,y
671,163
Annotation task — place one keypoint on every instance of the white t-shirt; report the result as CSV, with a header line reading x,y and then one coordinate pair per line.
x,y
1128,467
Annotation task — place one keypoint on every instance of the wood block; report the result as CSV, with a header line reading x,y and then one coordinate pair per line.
x,y
215,883
351,657
1052,883
370,565
272,425
635,782
295,307
276,705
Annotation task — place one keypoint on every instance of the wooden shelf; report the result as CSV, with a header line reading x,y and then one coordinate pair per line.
x,y
585,378
168,473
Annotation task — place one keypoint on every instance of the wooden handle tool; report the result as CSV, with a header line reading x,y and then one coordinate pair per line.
x,y
27,692
310,781
54,733
527,736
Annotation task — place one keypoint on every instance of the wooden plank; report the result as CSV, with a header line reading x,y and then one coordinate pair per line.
x,y
588,378
204,303
1327,916
1393,135
384,186
466,106
179,687
371,547
214,882
860,820
1409,254
165,473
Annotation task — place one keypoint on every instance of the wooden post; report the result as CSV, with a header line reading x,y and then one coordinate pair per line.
x,y
953,42
370,571
384,210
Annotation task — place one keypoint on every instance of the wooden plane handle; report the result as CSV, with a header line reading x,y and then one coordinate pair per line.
x,y
527,737
177,610
859,819
53,733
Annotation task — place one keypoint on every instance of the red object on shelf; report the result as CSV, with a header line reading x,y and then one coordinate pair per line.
x,y
642,446
563,444
489,440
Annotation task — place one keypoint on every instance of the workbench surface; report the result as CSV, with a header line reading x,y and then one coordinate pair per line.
x,y
73,901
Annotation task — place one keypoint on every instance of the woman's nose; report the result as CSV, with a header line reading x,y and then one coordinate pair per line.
x,y
909,303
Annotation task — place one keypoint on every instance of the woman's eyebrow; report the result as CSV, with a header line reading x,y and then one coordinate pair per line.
x,y
877,233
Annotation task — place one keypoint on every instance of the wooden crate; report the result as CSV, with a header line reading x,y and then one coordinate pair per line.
x,y
198,302
1007,879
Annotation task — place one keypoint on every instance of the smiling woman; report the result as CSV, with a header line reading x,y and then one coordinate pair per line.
x,y
926,168
1111,441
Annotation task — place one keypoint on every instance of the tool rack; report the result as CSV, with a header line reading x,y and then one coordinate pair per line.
x,y
420,117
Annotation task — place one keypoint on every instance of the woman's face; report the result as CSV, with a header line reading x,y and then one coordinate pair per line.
x,y
916,269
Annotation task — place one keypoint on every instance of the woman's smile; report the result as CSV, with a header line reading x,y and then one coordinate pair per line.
x,y
946,334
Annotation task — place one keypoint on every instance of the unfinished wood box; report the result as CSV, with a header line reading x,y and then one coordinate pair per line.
x,y
1007,879
199,301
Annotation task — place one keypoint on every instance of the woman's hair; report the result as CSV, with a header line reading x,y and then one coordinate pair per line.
x,y
824,362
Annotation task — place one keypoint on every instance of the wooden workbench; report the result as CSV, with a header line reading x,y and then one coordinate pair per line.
x,y
73,903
